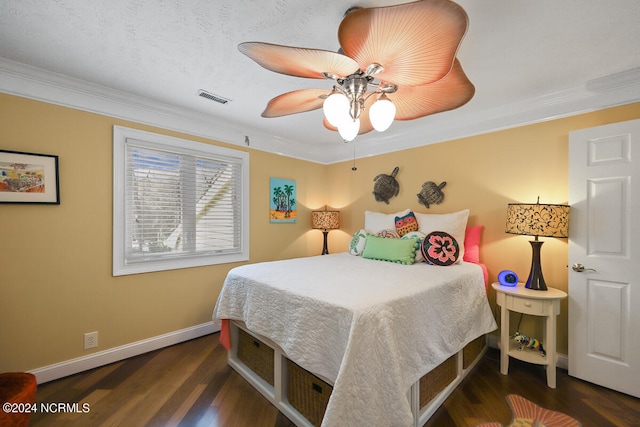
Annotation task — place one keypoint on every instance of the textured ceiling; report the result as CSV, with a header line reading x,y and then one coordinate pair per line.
x,y
529,61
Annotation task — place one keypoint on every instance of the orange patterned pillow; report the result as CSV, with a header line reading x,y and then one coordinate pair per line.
x,y
406,224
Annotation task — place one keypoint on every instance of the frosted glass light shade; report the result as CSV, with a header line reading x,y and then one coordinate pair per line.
x,y
382,113
336,109
349,129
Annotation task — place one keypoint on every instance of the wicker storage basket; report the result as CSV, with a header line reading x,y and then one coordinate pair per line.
x,y
256,355
471,351
307,393
435,381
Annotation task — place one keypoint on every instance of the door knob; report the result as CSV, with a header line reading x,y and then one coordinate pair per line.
x,y
579,268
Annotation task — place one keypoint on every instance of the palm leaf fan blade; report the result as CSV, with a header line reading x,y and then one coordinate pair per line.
x,y
298,61
298,101
452,91
416,43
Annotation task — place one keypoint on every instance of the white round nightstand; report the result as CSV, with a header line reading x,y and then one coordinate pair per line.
x,y
538,303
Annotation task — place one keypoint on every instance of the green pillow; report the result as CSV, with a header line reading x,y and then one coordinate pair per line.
x,y
401,251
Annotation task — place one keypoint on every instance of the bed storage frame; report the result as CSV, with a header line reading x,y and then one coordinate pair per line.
x,y
302,396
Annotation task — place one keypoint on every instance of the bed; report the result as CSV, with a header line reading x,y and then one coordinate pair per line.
x,y
369,329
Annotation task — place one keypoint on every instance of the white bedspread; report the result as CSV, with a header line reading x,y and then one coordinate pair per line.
x,y
373,328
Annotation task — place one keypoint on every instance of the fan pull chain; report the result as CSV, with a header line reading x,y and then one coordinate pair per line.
x,y
354,168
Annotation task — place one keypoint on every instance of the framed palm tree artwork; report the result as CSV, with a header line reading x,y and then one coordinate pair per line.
x,y
282,201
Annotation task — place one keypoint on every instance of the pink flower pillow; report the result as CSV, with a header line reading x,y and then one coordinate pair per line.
x,y
440,248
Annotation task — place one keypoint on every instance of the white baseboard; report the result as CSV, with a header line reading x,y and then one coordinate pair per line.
x,y
563,359
95,360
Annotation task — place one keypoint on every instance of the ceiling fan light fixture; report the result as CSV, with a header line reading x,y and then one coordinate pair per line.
x,y
408,50
382,113
387,88
336,108
349,129
374,69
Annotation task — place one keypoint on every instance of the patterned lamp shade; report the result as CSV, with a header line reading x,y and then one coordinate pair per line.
x,y
325,220
538,220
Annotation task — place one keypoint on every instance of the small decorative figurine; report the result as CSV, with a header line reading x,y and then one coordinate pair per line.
x,y
431,193
386,186
528,342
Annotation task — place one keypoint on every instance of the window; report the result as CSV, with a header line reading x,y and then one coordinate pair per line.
x,y
177,203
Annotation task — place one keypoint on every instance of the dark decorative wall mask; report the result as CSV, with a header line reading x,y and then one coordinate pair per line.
x,y
431,193
386,186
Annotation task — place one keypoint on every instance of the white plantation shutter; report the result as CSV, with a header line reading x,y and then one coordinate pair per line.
x,y
184,203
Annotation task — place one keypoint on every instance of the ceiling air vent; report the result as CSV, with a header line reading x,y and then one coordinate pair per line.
x,y
213,97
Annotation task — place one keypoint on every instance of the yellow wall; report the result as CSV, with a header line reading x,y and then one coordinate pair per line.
x,y
483,173
55,261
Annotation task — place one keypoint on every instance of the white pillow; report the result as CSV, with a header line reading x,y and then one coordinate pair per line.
x,y
453,223
374,222
356,246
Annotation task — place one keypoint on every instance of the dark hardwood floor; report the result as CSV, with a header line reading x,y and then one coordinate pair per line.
x,y
191,385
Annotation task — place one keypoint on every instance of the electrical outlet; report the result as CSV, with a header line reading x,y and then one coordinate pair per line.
x,y
90,340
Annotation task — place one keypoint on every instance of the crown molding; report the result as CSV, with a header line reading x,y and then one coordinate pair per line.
x,y
34,83
615,90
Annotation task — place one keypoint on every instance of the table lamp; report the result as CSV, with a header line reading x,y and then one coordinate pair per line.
x,y
539,220
325,220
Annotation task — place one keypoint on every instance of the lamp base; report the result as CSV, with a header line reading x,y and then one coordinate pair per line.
x,y
536,280
325,249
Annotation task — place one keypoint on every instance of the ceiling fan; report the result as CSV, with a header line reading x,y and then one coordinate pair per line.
x,y
395,63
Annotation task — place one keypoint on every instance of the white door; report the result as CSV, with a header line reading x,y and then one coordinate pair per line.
x,y
604,242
